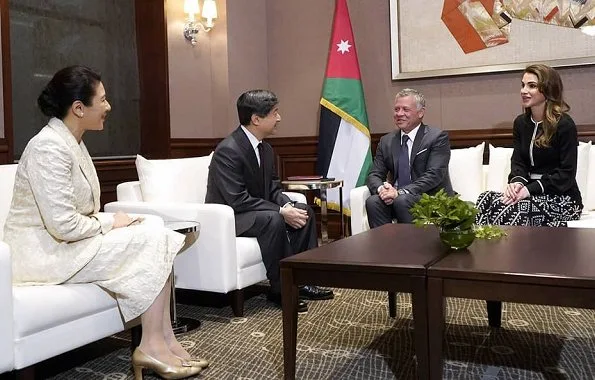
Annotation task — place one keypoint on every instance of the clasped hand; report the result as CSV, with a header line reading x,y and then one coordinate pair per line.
x,y
388,193
295,217
514,192
121,219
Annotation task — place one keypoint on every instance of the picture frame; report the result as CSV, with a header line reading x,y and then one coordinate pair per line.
x,y
423,47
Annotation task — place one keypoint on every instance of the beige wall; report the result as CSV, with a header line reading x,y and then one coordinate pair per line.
x,y
205,80
283,45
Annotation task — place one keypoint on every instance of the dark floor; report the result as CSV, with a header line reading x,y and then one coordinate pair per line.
x,y
352,337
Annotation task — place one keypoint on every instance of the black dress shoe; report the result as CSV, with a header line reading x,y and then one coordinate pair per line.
x,y
275,298
314,293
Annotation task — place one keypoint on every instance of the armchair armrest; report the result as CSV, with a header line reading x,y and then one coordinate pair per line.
x,y
359,216
210,263
6,315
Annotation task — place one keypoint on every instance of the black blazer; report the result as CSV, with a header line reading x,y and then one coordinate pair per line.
x,y
430,155
235,180
557,163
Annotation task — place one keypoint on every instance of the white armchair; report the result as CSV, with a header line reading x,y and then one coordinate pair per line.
x,y
219,261
39,322
359,216
6,324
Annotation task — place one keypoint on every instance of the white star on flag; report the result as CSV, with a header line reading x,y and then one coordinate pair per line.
x,y
343,46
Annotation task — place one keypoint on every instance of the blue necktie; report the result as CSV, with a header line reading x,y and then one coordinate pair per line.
x,y
404,174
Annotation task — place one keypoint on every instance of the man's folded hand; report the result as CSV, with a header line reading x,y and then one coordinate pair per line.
x,y
295,217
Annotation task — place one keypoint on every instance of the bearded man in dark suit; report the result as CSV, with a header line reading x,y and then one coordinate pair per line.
x,y
242,175
409,161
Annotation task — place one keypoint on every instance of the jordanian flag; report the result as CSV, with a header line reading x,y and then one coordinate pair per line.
x,y
344,141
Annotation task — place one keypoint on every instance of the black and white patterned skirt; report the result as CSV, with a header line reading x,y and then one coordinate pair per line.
x,y
537,210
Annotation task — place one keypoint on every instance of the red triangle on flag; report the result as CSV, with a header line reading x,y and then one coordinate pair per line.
x,y
342,58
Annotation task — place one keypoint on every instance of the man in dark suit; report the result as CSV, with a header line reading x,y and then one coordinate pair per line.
x,y
242,175
409,161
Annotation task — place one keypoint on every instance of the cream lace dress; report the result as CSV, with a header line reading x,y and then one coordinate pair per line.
x,y
57,235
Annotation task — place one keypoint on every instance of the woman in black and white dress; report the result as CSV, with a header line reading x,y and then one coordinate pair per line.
x,y
542,188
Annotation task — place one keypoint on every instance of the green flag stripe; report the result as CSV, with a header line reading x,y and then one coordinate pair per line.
x,y
363,174
348,96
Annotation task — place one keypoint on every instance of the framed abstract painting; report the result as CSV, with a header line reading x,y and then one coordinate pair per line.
x,y
432,38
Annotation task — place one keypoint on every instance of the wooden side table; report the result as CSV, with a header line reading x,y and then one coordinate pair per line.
x,y
323,186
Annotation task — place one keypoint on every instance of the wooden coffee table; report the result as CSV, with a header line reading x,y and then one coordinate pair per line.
x,y
393,258
538,265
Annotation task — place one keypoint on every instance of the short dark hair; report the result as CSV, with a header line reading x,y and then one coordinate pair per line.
x,y
68,85
255,102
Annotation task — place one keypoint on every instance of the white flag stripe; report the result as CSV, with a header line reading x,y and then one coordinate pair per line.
x,y
349,154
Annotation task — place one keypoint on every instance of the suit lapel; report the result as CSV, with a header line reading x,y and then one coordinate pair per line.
x,y
396,150
82,157
421,132
248,152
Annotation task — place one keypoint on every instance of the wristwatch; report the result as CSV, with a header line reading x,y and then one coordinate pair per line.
x,y
401,191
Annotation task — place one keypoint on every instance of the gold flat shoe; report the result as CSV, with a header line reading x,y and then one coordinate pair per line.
x,y
195,362
141,361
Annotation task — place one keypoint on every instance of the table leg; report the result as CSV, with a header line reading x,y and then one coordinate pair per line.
x,y
289,299
323,217
179,325
419,299
494,313
392,304
341,211
436,318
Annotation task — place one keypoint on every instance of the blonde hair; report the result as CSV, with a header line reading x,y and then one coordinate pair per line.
x,y
550,85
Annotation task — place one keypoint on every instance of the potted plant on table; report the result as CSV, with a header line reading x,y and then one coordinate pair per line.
x,y
454,219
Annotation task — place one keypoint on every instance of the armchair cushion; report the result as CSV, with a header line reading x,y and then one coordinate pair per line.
x,y
582,170
498,168
174,180
466,172
39,308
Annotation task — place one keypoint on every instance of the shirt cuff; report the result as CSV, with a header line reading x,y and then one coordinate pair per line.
x,y
285,205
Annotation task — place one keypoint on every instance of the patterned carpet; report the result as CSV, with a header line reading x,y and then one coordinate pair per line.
x,y
352,337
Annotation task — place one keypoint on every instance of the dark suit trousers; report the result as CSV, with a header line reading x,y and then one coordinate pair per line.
x,y
278,240
380,214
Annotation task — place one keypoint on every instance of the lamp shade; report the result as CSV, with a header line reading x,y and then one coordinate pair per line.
x,y
191,7
209,9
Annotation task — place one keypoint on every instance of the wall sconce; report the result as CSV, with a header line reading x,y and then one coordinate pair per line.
x,y
192,27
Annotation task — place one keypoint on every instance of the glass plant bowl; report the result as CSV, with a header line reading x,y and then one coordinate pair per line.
x,y
456,238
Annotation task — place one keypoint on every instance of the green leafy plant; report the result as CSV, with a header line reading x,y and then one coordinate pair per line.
x,y
488,232
450,212
444,211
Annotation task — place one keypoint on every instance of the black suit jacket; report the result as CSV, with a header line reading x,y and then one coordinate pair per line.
x,y
235,180
430,155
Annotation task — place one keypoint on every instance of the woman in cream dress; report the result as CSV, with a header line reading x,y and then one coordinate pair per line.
x,y
57,234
